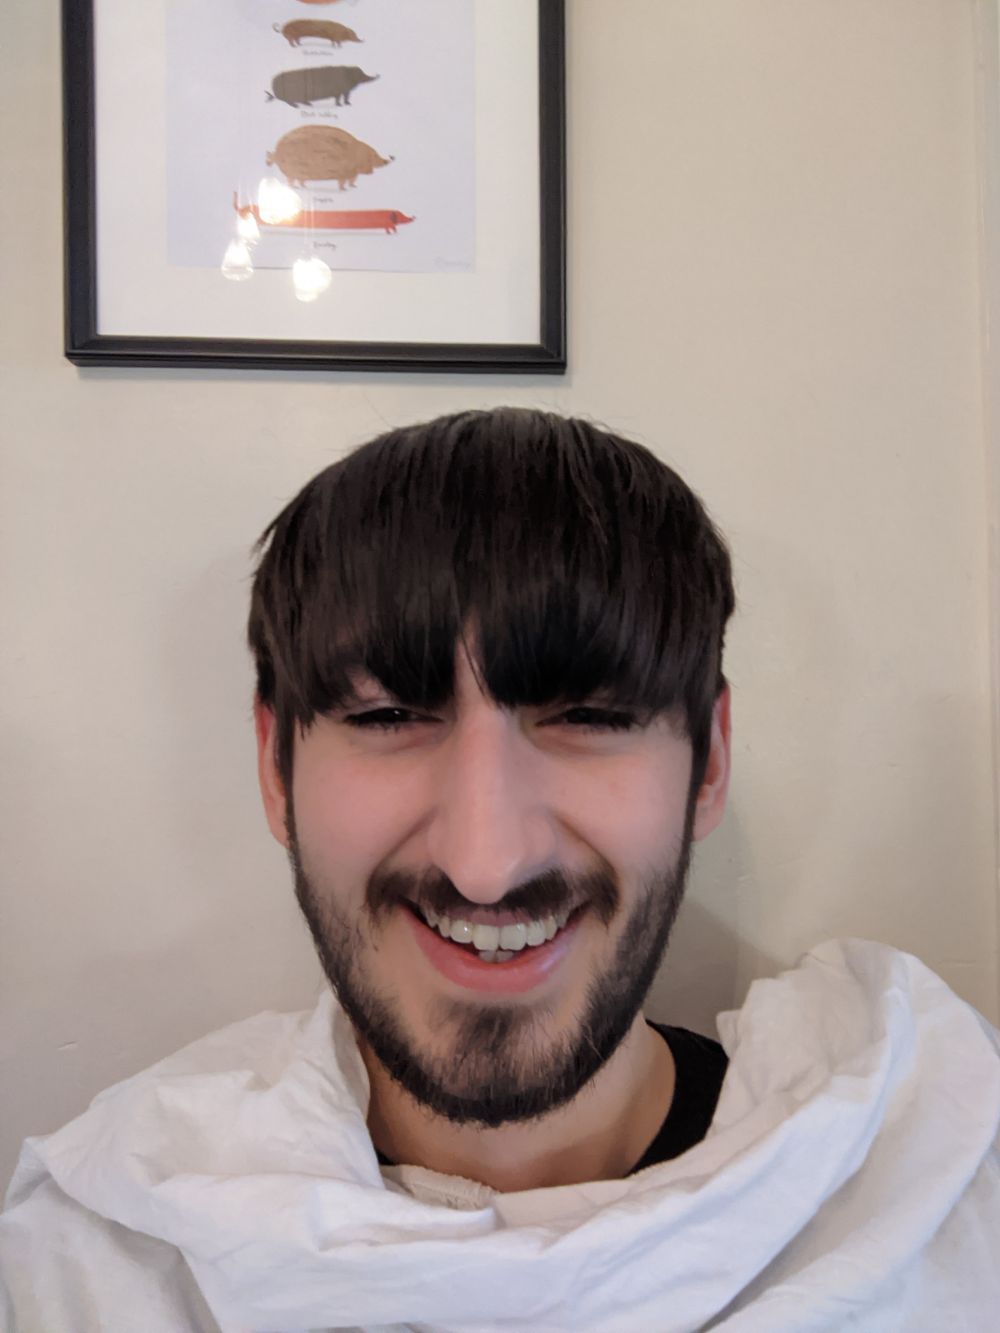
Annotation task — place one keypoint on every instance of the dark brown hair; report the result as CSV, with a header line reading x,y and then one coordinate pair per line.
x,y
587,566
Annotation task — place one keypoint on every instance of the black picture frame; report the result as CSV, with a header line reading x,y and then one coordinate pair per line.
x,y
86,346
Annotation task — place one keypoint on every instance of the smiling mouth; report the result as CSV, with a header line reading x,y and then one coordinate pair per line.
x,y
497,944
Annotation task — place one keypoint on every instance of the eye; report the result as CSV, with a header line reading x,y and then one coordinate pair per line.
x,y
382,719
599,719
580,718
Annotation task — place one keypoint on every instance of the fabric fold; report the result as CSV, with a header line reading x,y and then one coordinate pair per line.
x,y
855,1137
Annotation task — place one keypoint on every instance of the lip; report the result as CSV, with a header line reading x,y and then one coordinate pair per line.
x,y
530,968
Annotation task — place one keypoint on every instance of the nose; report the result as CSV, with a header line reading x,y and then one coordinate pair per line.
x,y
489,831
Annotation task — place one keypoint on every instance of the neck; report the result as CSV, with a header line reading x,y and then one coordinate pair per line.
x,y
599,1135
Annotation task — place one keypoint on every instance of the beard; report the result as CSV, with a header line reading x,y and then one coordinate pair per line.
x,y
504,1064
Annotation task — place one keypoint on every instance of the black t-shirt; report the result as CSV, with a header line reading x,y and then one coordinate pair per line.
x,y
700,1066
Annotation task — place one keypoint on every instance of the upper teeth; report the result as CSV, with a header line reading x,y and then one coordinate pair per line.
x,y
490,938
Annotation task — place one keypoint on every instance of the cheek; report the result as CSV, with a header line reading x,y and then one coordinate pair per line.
x,y
635,816
633,830
344,820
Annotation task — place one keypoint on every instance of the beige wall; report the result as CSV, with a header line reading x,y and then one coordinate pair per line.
x,y
774,283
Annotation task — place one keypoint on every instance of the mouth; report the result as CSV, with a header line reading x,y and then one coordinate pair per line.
x,y
510,958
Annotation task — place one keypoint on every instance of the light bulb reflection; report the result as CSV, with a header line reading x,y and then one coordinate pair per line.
x,y
276,201
237,264
310,277
246,228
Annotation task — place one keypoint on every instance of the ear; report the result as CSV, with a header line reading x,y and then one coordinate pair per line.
x,y
710,803
272,789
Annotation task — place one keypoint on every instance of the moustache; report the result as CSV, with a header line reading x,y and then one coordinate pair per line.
x,y
551,892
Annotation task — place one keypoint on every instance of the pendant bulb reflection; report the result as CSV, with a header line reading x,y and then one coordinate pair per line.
x,y
276,201
237,264
310,277
246,228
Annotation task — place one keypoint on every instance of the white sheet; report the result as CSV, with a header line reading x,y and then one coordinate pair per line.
x,y
850,1180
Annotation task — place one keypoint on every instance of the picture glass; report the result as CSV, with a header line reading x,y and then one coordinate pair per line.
x,y
318,170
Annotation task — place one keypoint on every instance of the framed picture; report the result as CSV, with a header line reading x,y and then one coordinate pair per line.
x,y
337,184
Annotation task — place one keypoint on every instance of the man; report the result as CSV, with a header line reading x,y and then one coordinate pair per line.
x,y
491,722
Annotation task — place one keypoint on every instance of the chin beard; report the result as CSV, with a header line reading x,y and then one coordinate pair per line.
x,y
504,1063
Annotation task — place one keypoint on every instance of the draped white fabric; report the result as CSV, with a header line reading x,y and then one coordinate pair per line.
x,y
850,1179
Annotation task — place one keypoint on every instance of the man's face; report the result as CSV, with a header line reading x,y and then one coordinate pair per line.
x,y
553,824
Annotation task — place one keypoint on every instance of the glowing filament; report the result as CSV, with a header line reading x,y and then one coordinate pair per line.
x,y
310,277
246,228
277,202
236,262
